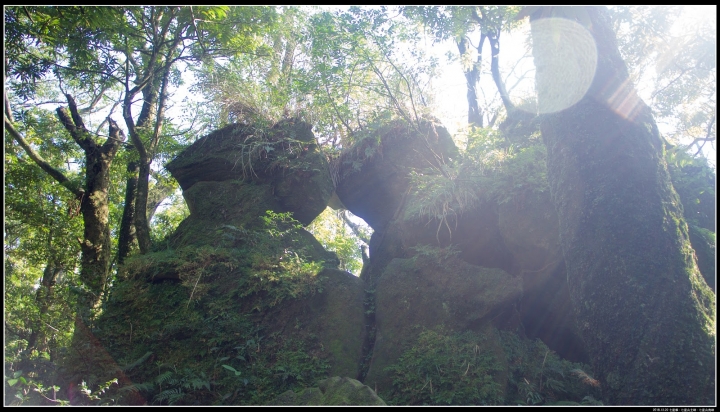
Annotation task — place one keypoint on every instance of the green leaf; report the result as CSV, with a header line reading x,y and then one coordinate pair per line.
x,y
230,368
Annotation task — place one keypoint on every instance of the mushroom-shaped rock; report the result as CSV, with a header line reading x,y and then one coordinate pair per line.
x,y
375,172
283,158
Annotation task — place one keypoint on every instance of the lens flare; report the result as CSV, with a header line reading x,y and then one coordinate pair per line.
x,y
565,77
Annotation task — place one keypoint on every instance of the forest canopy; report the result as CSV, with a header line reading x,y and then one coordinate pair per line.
x,y
98,100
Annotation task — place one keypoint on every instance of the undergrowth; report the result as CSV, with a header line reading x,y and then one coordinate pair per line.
x,y
444,369
470,368
490,169
189,321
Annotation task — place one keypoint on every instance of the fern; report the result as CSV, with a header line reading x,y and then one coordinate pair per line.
x,y
164,377
172,396
142,359
138,387
585,378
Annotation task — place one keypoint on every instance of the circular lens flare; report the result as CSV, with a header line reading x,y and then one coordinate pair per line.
x,y
567,62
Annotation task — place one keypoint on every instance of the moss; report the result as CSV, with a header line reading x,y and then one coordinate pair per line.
x,y
192,306
703,243
484,368
335,391
626,249
335,317
464,297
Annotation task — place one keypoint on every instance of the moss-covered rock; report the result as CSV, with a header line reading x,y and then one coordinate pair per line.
x,y
225,314
528,227
484,367
335,391
374,173
241,303
703,243
283,158
424,292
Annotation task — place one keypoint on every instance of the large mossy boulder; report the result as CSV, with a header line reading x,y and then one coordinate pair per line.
x,y
241,299
282,166
374,173
528,227
277,327
434,290
335,391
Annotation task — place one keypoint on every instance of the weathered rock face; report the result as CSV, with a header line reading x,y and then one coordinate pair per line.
x,y
519,238
233,276
335,391
529,230
245,291
284,160
335,315
431,291
374,174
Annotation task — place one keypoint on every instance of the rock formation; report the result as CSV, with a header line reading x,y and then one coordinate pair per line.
x,y
241,305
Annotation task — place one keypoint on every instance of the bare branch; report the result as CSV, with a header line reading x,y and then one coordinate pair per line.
x,y
77,119
40,161
354,227
708,137
682,73
95,100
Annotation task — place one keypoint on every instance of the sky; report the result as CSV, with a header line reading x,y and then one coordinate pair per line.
x,y
515,49
451,101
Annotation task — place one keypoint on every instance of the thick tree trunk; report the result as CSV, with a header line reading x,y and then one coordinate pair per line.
x,y
126,236
95,246
646,314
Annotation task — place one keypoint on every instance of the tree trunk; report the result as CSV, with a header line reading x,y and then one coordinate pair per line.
x,y
646,314
142,227
157,96
95,260
494,39
126,236
43,297
95,246
159,192
472,77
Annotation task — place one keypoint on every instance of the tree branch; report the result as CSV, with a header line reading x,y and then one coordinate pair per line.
x,y
708,137
44,165
354,227
8,112
77,119
494,39
66,120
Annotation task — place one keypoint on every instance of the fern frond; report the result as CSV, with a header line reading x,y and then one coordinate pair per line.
x,y
585,378
199,383
163,377
142,359
170,395
138,387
